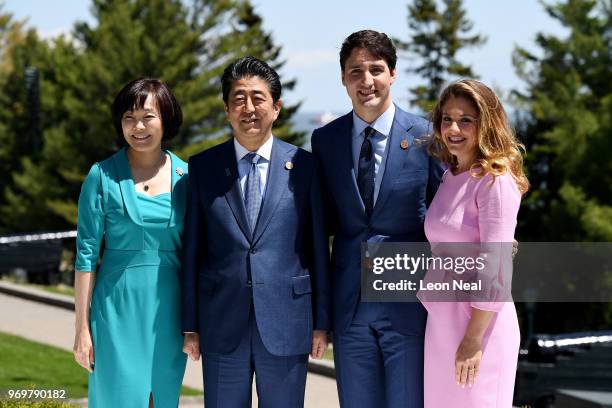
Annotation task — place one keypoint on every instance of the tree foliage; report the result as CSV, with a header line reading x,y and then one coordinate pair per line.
x,y
568,124
187,44
436,36
565,121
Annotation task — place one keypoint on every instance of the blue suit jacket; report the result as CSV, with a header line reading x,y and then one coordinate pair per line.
x,y
287,255
410,180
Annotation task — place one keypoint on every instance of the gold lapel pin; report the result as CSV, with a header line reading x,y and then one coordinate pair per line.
x,y
404,144
288,165
180,171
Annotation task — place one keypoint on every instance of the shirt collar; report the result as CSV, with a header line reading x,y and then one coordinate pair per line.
x,y
382,124
265,150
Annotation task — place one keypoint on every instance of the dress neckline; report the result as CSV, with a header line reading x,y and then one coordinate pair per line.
x,y
153,197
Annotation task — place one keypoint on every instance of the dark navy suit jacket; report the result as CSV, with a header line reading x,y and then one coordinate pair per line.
x,y
286,256
410,180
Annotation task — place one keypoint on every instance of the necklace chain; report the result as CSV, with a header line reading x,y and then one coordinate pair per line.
x,y
162,160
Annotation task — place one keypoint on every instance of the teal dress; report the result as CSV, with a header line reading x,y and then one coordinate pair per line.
x,y
135,306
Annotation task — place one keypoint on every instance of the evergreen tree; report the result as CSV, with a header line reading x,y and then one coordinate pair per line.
x,y
566,123
260,44
185,44
21,51
434,40
11,33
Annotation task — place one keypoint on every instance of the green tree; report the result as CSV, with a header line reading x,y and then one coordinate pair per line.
x,y
11,33
566,123
187,44
21,50
260,44
435,37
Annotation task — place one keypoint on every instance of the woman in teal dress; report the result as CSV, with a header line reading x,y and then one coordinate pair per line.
x,y
128,333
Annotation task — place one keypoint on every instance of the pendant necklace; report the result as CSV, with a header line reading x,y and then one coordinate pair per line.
x,y
145,186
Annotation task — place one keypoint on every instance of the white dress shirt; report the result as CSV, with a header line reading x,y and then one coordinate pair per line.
x,y
265,153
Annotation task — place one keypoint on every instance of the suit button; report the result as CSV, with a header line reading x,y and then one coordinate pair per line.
x,y
249,283
253,250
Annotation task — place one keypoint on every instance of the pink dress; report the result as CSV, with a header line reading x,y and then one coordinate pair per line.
x,y
470,209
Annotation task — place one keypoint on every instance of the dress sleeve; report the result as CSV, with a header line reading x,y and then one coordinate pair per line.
x,y
90,223
498,200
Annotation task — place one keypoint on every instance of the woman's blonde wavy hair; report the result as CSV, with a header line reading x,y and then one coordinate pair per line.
x,y
498,148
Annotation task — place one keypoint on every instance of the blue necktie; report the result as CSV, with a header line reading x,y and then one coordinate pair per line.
x,y
252,193
365,174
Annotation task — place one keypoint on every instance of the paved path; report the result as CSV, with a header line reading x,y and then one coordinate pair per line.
x,y
55,326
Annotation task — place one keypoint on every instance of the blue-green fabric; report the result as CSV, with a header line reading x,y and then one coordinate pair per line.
x,y
135,307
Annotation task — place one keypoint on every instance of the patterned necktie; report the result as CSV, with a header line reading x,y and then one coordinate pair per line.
x,y
252,194
365,175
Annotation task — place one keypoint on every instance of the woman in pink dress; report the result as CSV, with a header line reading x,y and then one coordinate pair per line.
x,y
471,347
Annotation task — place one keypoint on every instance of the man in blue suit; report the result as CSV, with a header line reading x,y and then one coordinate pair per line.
x,y
254,281
378,181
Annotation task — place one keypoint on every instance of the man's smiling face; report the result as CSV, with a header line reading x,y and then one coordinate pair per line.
x,y
368,82
251,109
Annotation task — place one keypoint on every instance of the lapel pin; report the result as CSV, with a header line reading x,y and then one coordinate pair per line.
x,y
288,165
404,144
180,171
228,172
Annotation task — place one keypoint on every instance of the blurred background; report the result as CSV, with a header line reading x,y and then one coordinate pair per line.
x,y
62,62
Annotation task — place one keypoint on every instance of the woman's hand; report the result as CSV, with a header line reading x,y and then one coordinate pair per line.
x,y
191,345
467,361
83,349
83,345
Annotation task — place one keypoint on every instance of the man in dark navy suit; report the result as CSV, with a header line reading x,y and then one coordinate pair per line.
x,y
254,281
378,183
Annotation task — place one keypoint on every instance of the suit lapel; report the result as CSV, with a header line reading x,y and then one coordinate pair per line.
x,y
277,183
233,195
395,157
126,184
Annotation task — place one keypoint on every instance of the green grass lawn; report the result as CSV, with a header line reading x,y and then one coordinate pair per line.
x,y
30,404
60,289
329,354
25,364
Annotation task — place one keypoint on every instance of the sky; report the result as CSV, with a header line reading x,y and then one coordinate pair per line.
x,y
311,33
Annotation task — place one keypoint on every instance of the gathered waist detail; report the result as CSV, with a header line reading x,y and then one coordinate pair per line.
x,y
115,258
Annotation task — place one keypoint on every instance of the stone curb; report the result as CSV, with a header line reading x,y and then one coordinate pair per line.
x,y
321,367
37,295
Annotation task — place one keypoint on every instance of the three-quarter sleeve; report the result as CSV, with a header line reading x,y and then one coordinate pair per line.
x,y
90,223
498,200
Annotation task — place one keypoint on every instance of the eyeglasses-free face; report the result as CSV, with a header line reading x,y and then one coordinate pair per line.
x,y
142,128
251,110
459,130
368,81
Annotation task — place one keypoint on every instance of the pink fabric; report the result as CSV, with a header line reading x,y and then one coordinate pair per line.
x,y
470,209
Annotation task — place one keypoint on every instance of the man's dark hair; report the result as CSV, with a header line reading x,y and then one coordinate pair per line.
x,y
377,44
133,96
247,67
